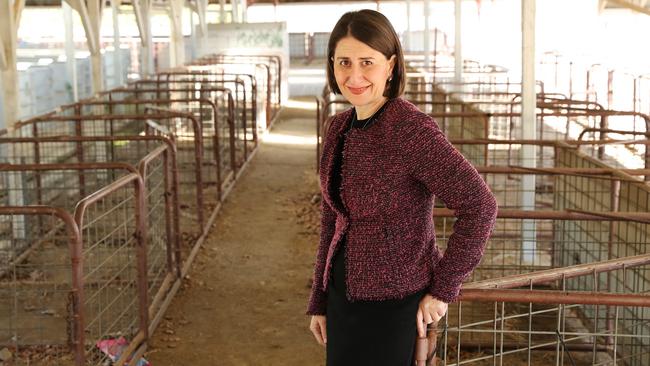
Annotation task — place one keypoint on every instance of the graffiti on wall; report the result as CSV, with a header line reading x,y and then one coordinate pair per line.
x,y
268,38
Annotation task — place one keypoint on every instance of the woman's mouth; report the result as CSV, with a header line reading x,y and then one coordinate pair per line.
x,y
357,91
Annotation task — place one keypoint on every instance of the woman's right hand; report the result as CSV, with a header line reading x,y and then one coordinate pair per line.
x,y
319,329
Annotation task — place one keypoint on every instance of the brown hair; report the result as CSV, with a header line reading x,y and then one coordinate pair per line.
x,y
374,29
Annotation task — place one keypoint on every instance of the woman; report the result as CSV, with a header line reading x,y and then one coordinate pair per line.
x,y
379,278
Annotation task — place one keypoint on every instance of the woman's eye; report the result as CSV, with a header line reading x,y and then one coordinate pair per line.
x,y
367,62
344,63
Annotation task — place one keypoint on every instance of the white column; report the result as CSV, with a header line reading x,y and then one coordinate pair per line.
x,y
234,5
202,9
458,55
177,45
9,20
95,17
528,118
407,35
10,12
142,10
91,17
275,11
244,11
117,54
222,11
2,109
71,61
427,34
193,39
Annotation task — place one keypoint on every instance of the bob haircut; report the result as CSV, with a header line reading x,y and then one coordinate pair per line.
x,y
374,29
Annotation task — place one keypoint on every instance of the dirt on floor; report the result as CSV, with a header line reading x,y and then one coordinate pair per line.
x,y
244,300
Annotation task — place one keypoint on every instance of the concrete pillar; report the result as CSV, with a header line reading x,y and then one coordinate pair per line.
x,y
9,19
528,118
458,55
177,44
71,61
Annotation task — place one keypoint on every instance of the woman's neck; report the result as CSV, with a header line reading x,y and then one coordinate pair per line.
x,y
366,111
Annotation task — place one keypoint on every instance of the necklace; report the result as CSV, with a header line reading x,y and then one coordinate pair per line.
x,y
370,119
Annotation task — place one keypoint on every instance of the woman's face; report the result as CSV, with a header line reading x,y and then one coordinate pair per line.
x,y
361,72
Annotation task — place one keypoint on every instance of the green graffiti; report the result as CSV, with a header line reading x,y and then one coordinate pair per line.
x,y
260,38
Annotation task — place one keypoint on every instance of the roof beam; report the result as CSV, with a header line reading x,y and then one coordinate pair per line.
x,y
94,8
631,5
192,6
80,7
140,22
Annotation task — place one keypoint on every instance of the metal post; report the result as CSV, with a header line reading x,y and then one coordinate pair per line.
x,y
529,118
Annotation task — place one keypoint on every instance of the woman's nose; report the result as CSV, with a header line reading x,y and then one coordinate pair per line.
x,y
356,74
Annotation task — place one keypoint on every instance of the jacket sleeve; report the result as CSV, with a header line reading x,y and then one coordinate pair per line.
x,y
318,298
432,160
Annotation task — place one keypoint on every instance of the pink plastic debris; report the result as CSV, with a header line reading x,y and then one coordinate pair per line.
x,y
113,348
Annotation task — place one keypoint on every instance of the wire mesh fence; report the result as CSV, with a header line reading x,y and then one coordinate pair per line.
x,y
83,279
93,196
538,319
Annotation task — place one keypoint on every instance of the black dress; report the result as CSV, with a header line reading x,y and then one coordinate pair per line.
x,y
366,333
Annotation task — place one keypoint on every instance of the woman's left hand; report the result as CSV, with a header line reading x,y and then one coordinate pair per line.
x,y
430,310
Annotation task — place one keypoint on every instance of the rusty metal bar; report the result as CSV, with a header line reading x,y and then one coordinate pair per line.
x,y
555,297
550,275
642,217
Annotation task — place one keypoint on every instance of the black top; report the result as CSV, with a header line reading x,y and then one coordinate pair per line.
x,y
338,154
338,264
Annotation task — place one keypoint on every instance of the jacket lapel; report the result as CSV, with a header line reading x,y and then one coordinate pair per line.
x,y
334,136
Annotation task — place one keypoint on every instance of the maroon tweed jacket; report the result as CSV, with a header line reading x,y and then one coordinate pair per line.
x,y
391,172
